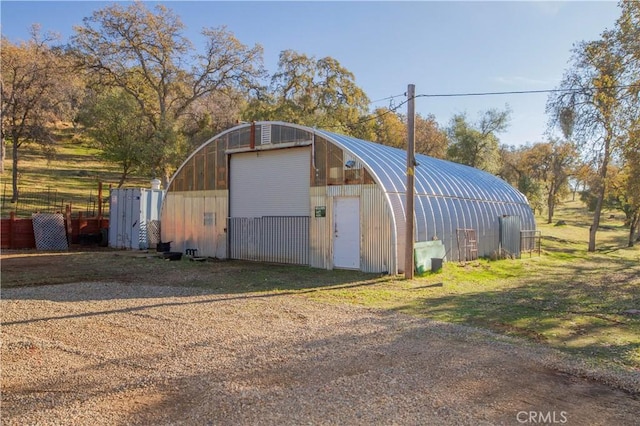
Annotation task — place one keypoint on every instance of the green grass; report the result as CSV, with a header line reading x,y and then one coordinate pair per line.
x,y
567,298
70,176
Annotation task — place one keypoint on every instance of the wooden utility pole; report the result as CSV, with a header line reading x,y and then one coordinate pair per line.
x,y
411,163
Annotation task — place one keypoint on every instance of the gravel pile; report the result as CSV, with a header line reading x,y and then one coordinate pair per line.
x,y
106,354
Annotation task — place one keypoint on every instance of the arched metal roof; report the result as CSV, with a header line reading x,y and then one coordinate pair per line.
x,y
433,176
448,196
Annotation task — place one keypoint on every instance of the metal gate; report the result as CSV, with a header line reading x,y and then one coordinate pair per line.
x,y
277,239
467,244
510,235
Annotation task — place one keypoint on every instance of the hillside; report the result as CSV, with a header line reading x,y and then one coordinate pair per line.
x,y
70,175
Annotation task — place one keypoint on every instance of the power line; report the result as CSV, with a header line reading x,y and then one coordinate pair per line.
x,y
450,95
373,117
522,92
387,98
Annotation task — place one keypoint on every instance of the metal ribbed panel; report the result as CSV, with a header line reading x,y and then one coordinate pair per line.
x,y
377,231
448,196
277,239
320,229
265,135
376,248
433,176
244,237
196,220
510,235
285,239
131,209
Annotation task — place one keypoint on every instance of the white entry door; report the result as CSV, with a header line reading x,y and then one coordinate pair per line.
x,y
346,232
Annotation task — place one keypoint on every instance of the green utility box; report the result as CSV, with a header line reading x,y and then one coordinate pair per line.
x,y
428,255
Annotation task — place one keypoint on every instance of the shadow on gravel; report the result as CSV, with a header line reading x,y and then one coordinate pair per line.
x,y
384,370
296,365
154,292
43,272
589,309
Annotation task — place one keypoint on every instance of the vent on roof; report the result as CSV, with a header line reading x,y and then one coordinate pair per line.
x,y
266,134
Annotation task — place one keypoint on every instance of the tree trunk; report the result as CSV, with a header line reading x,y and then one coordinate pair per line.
x,y
14,172
551,205
633,227
124,174
166,177
601,191
3,152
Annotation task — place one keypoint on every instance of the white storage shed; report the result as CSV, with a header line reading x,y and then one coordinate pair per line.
x,y
134,216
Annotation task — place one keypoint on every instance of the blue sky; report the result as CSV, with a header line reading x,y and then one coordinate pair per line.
x,y
441,47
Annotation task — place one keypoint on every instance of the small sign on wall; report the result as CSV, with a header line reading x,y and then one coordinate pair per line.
x,y
321,211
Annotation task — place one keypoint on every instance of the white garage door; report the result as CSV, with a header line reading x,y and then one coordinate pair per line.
x,y
269,195
270,183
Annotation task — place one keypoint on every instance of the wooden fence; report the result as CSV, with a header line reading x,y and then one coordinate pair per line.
x,y
17,233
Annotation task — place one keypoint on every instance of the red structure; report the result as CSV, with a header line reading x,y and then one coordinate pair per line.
x,y
18,233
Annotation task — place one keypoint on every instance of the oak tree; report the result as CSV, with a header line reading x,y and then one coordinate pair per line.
x,y
313,92
35,94
145,53
550,164
477,144
430,139
118,129
598,99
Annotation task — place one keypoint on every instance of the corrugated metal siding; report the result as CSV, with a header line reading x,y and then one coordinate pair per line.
x,y
278,239
168,219
448,196
244,237
396,201
377,248
377,233
510,235
377,245
196,220
320,253
124,218
285,239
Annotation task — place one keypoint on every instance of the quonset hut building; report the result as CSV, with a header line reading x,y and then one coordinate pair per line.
x,y
280,192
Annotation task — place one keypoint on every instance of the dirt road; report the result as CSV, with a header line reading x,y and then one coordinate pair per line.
x,y
113,353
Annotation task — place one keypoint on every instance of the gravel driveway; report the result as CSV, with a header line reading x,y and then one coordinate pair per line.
x,y
110,354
